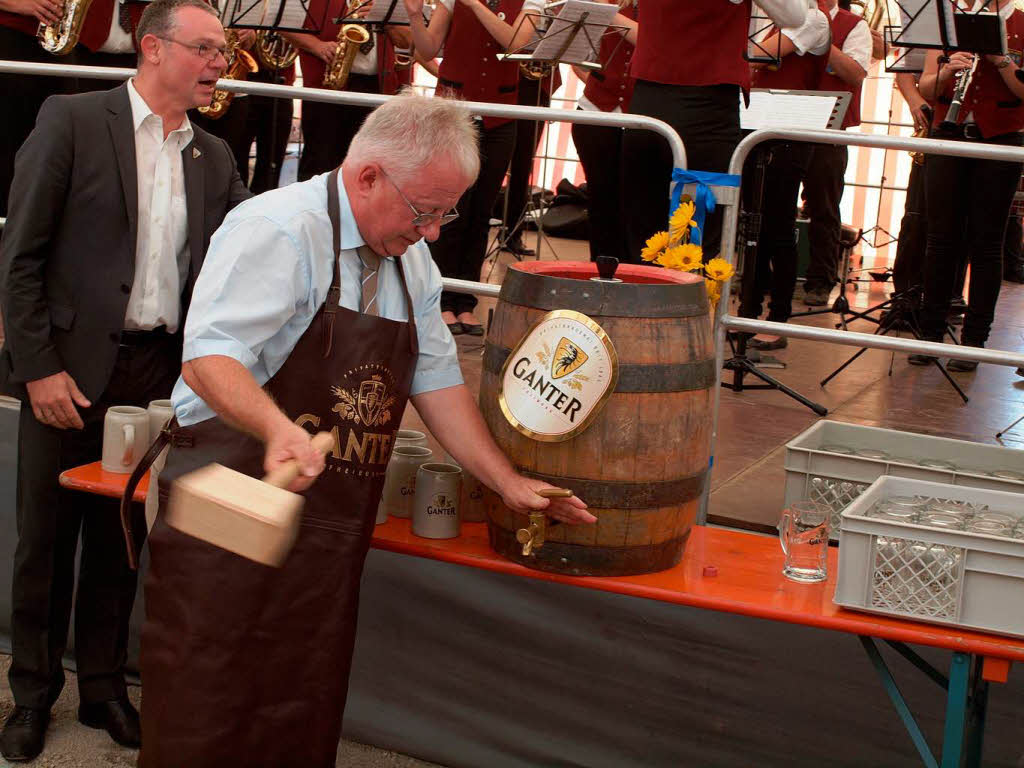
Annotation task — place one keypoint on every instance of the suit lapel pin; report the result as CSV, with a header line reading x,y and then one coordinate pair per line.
x,y
195,153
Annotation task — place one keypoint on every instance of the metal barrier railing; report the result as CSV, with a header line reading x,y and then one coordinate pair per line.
x,y
727,197
727,322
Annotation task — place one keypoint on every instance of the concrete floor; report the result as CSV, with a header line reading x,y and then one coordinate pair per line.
x,y
748,476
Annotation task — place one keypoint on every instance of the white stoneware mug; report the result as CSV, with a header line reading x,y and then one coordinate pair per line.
x,y
125,437
436,514
471,499
403,437
400,480
160,412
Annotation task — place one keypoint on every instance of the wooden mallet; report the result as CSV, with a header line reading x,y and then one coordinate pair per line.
x,y
257,519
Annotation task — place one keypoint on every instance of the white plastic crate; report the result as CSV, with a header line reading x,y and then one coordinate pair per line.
x,y
944,576
836,480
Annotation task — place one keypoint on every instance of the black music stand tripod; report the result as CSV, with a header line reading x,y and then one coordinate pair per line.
x,y
739,364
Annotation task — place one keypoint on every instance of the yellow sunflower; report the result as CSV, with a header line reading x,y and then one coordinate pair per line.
x,y
685,258
714,289
655,245
682,220
719,269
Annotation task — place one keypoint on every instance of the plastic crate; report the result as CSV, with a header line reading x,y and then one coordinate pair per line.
x,y
836,480
944,576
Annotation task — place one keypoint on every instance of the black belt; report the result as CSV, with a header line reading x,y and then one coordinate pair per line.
x,y
139,338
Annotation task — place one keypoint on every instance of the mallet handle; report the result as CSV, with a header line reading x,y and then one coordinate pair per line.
x,y
285,475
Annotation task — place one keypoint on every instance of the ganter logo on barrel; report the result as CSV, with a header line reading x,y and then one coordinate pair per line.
x,y
559,376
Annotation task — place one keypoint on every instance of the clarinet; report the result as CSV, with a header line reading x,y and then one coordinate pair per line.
x,y
963,82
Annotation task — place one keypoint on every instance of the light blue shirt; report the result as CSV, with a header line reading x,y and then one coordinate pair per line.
x,y
268,270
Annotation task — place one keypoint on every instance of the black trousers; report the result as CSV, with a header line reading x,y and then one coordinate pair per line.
x,y
823,186
600,152
1013,250
83,57
268,123
50,520
459,251
774,269
328,129
23,95
708,120
908,267
972,197
528,133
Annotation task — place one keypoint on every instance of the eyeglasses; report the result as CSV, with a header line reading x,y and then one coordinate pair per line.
x,y
208,52
423,219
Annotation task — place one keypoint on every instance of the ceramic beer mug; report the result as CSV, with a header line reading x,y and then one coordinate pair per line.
x,y
125,437
803,533
403,437
160,412
436,513
400,480
471,498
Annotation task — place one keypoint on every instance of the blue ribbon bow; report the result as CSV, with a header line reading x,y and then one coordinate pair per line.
x,y
704,199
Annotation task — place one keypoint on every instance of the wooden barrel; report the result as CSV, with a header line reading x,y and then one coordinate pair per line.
x,y
642,464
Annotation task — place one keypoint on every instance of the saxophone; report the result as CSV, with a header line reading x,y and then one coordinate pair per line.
x,y
350,37
273,51
240,65
60,38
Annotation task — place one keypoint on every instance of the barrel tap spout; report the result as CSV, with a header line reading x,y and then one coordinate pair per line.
x,y
532,537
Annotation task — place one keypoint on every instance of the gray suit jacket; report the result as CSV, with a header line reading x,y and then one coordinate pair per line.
x,y
67,257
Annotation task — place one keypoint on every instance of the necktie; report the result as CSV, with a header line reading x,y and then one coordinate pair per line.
x,y
124,19
371,263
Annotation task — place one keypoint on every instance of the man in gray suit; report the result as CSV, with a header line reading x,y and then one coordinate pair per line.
x,y
114,199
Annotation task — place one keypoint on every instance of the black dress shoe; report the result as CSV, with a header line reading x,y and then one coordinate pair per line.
x,y
473,329
118,718
518,247
456,328
964,366
780,343
24,733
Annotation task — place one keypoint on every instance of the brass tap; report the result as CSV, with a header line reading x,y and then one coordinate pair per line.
x,y
532,537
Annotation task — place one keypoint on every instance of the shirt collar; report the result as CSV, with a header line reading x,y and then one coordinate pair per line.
x,y
834,12
350,237
141,111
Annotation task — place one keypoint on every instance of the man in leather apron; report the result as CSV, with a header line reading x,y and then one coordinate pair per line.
x,y
317,309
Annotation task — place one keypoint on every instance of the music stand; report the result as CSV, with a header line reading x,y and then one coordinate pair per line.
x,y
771,108
940,24
572,37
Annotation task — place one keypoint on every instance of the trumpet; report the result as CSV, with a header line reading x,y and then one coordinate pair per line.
x,y
240,65
350,37
962,83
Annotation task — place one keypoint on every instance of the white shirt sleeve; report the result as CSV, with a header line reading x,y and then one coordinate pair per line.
x,y
858,44
814,36
785,13
449,5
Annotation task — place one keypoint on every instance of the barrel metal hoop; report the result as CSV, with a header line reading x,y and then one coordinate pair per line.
x,y
609,494
648,377
604,299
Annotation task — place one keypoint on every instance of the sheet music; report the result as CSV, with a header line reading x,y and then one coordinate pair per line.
x,y
775,109
920,21
264,14
599,16
380,10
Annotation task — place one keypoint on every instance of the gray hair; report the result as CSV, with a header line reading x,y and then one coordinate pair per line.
x,y
159,18
410,131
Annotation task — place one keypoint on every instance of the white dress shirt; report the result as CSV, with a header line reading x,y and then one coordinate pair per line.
x,y
813,36
267,272
163,221
858,43
118,41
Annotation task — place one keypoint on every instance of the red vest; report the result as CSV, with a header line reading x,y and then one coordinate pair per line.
x,y
842,26
313,67
692,42
471,69
612,86
996,109
26,24
96,27
796,72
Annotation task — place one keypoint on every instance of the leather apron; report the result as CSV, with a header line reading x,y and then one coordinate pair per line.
x,y
247,665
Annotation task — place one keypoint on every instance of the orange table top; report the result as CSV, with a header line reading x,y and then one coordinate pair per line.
x,y
748,581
